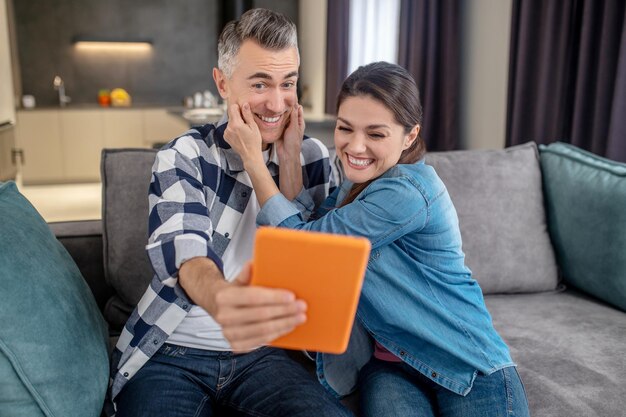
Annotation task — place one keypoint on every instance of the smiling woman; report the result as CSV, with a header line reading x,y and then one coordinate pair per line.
x,y
368,139
392,92
417,267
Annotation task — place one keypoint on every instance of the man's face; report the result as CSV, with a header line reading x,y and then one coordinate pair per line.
x,y
266,80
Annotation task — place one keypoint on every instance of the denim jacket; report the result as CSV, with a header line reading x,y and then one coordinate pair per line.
x,y
419,300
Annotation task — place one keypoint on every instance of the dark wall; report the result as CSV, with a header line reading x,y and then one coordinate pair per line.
x,y
183,35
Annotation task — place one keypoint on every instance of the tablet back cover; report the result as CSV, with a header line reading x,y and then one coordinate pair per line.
x,y
325,270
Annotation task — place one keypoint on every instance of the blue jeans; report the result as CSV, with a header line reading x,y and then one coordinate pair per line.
x,y
396,389
179,381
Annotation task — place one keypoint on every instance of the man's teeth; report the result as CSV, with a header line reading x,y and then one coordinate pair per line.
x,y
269,119
360,162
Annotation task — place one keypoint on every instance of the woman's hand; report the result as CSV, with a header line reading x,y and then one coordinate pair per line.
x,y
288,149
291,144
243,134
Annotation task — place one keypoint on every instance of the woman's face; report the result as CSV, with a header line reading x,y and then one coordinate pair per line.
x,y
368,139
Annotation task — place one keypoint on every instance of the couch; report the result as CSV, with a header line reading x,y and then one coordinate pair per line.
x,y
544,232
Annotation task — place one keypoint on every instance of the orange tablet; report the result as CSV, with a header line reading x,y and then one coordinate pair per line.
x,y
323,269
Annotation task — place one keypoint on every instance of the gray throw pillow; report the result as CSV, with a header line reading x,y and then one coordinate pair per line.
x,y
499,200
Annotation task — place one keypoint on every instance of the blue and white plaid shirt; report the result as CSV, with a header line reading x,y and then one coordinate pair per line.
x,y
198,193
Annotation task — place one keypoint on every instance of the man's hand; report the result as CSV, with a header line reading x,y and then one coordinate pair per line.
x,y
288,149
243,135
250,316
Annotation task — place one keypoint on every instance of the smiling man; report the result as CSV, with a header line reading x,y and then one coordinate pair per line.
x,y
195,344
267,82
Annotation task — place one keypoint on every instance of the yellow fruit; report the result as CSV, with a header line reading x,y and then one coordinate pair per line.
x,y
119,97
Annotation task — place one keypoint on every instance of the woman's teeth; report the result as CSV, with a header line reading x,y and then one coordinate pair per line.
x,y
359,162
269,119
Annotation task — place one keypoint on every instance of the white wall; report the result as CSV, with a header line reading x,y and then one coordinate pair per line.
x,y
312,39
485,31
7,106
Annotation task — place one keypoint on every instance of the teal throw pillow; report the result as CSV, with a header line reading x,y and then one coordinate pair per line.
x,y
53,340
586,205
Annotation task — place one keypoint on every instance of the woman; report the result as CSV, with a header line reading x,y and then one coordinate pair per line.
x,y
423,342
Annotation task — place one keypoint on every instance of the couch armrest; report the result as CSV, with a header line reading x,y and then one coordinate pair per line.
x,y
83,241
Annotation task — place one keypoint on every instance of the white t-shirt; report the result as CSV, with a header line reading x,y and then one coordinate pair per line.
x,y
198,329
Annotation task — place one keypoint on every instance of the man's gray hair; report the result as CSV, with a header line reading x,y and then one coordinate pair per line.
x,y
271,30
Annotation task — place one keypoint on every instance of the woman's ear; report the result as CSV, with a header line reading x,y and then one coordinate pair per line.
x,y
221,82
411,137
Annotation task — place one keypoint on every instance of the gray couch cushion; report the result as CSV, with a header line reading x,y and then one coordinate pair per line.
x,y
499,200
570,351
125,182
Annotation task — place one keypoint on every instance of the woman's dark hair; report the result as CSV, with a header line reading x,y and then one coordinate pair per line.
x,y
393,87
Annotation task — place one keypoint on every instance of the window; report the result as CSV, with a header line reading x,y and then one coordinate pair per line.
x,y
373,32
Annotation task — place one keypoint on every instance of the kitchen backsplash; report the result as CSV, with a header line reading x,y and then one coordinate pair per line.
x,y
183,35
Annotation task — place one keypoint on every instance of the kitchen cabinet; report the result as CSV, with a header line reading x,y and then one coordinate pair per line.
x,y
123,128
161,126
64,145
82,140
7,106
38,136
7,143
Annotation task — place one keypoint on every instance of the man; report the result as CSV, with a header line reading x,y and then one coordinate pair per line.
x,y
194,344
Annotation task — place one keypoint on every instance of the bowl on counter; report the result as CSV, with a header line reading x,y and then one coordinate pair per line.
x,y
202,115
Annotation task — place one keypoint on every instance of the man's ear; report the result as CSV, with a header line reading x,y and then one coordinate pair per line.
x,y
411,137
221,83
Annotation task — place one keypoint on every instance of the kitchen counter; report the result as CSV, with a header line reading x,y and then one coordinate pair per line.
x,y
69,151
318,119
96,106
